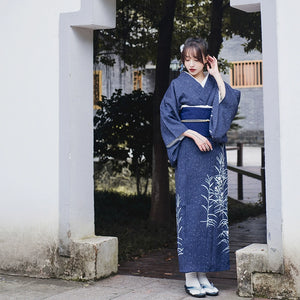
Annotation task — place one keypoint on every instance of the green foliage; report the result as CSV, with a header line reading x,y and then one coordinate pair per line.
x,y
238,211
135,37
234,125
192,18
126,217
246,25
123,133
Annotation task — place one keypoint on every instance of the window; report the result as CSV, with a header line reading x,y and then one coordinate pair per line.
x,y
97,88
137,80
246,74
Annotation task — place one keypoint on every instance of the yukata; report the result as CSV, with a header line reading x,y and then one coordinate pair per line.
x,y
200,177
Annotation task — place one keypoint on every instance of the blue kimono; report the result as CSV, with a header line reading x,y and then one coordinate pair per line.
x,y
200,177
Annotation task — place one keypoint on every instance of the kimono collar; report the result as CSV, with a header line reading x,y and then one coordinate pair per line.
x,y
203,82
203,92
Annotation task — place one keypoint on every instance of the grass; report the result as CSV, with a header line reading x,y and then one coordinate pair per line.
x,y
238,211
126,216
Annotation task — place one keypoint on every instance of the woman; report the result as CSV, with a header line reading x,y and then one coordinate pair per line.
x,y
196,112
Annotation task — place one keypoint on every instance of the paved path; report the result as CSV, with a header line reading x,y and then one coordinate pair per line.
x,y
120,287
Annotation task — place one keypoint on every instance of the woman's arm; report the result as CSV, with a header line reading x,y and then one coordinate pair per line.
x,y
212,68
201,141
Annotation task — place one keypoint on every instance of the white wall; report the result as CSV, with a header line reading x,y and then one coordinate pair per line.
x,y
280,24
272,134
46,171
29,125
288,25
281,90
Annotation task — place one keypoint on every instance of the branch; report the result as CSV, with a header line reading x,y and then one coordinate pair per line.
x,y
227,5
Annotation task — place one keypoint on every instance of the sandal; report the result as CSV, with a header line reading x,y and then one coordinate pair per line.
x,y
197,292
210,290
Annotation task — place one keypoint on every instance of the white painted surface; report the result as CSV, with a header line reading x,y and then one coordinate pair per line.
x,y
282,124
272,133
46,172
246,5
288,25
29,125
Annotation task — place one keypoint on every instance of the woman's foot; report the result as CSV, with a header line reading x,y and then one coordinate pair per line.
x,y
197,292
192,285
209,288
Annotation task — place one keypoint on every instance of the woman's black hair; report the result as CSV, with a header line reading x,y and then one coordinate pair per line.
x,y
197,45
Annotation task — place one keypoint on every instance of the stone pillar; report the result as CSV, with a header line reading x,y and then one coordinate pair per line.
x,y
46,126
272,270
83,254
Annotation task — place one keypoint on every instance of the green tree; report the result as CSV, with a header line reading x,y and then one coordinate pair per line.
x,y
135,38
123,134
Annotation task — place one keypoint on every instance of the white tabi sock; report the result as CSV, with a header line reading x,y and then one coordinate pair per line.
x,y
202,278
191,280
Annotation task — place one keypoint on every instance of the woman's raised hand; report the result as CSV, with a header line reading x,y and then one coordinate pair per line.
x,y
201,141
212,68
212,65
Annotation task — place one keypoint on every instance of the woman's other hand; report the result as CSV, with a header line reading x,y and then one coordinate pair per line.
x,y
201,141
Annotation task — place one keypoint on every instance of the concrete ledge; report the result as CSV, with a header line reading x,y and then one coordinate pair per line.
x,y
253,258
90,258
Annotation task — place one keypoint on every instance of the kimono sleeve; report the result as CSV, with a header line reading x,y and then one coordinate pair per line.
x,y
171,126
223,114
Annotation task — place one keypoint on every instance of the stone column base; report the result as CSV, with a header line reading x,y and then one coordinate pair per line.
x,y
254,278
91,258
250,259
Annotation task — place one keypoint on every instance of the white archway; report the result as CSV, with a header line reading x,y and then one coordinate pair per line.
x,y
47,214
274,268
99,255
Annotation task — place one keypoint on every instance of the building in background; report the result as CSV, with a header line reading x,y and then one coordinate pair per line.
x,y
246,76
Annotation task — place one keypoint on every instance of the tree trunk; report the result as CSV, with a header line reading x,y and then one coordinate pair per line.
x,y
138,182
146,186
136,169
160,203
215,37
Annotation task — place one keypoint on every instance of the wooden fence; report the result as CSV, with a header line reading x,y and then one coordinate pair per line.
x,y
242,171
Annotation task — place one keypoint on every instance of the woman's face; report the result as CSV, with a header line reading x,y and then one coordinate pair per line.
x,y
193,65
